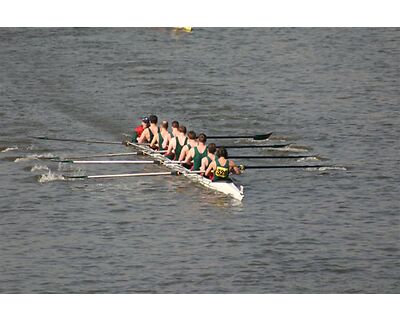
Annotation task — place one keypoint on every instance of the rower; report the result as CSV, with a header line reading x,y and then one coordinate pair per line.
x,y
175,147
149,133
191,143
206,161
197,153
222,166
162,138
139,129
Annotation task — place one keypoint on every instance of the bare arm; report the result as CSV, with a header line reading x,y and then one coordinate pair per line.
x,y
204,164
233,167
212,166
171,146
144,136
167,141
154,142
189,156
184,151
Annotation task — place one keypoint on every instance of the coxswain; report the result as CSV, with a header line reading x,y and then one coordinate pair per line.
x,y
175,147
139,129
191,143
162,138
206,161
149,133
197,153
222,166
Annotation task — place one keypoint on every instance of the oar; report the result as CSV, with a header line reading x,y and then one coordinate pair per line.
x,y
108,161
131,175
123,175
244,167
76,140
256,146
254,137
273,157
104,155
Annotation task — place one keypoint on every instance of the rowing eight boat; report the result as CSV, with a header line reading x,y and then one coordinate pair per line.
x,y
227,188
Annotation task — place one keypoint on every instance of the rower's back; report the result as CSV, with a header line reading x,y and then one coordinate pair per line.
x,y
200,152
180,141
191,143
153,129
221,172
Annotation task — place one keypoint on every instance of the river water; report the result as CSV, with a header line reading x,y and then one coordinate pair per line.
x,y
331,92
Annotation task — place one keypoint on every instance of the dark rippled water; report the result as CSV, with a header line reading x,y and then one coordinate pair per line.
x,y
335,91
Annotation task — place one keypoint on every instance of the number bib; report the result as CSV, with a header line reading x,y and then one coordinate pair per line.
x,y
222,172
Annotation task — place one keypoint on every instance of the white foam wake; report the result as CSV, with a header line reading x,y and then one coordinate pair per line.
x,y
37,168
50,176
32,157
327,168
293,149
305,159
9,149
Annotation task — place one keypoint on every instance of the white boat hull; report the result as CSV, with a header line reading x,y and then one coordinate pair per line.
x,y
227,188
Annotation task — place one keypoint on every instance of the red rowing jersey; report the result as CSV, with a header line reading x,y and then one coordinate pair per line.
x,y
139,130
137,133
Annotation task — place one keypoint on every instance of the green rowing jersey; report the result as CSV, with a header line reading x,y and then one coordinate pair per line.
x,y
198,157
160,141
222,172
152,135
179,147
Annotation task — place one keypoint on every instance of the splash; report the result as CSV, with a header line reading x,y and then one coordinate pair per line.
x,y
50,176
305,159
37,168
32,157
293,148
327,168
7,149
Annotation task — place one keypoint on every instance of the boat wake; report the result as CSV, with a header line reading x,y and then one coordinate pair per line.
x,y
39,168
294,148
8,149
305,159
327,168
33,157
49,176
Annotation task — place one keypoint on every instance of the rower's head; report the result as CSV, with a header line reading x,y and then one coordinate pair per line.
x,y
164,124
145,122
182,129
222,153
192,135
202,138
153,119
175,125
212,148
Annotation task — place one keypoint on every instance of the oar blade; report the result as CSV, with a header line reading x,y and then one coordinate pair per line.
x,y
254,137
262,136
74,177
